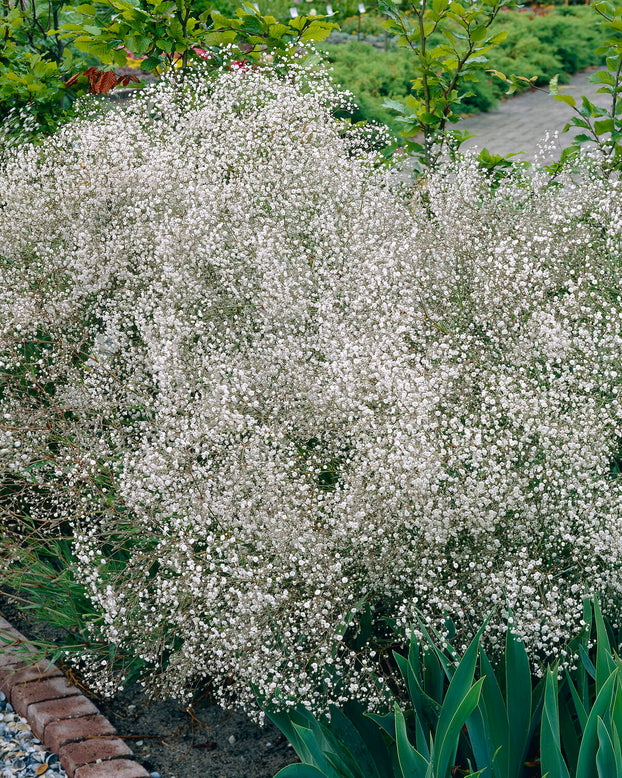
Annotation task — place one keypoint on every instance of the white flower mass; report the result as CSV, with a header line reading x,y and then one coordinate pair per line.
x,y
266,383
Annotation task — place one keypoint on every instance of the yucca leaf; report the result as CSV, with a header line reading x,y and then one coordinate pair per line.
x,y
433,676
423,739
478,727
604,661
426,708
552,761
300,771
606,757
435,640
518,699
616,711
460,701
368,752
386,722
412,763
312,745
286,723
587,663
576,699
413,683
494,720
447,737
570,729
586,764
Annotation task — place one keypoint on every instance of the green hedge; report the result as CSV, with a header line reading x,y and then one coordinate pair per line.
x,y
564,41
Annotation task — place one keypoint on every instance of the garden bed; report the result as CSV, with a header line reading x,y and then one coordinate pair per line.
x,y
171,740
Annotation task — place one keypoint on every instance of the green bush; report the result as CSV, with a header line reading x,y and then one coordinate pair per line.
x,y
372,76
561,42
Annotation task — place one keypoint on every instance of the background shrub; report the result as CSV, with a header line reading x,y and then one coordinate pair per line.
x,y
561,42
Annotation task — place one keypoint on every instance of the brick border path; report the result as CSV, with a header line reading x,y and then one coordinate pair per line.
x,y
60,715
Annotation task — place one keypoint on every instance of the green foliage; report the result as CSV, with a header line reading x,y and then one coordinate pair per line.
x,y
563,42
419,743
34,63
576,723
170,33
464,37
581,727
45,44
373,76
601,126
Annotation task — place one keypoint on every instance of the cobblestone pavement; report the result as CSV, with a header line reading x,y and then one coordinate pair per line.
x,y
520,123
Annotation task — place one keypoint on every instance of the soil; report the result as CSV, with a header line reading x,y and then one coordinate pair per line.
x,y
207,743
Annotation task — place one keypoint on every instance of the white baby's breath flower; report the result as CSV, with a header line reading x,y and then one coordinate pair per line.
x,y
273,384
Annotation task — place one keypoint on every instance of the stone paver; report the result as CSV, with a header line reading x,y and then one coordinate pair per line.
x,y
119,768
520,123
24,694
42,713
60,733
22,673
74,755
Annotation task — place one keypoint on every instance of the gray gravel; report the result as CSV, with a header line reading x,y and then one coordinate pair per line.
x,y
22,755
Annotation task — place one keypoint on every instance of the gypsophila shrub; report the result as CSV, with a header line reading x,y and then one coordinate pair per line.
x,y
264,385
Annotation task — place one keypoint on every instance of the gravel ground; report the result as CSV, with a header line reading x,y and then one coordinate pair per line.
x,y
21,754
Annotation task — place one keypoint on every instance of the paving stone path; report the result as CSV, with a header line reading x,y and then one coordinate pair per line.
x,y
520,123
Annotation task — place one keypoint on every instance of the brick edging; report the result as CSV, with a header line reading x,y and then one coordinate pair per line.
x,y
60,715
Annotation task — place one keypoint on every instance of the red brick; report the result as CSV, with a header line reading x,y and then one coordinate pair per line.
x,y
117,768
25,694
40,714
73,755
59,733
23,673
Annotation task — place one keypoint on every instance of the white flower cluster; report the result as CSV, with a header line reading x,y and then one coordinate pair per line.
x,y
267,385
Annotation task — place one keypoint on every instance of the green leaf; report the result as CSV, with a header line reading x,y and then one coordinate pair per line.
x,y
518,695
603,126
367,752
310,748
605,757
500,75
604,661
478,34
496,714
413,765
552,761
447,736
603,77
300,771
578,703
317,31
497,38
569,99
458,704
589,743
151,63
165,45
278,30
